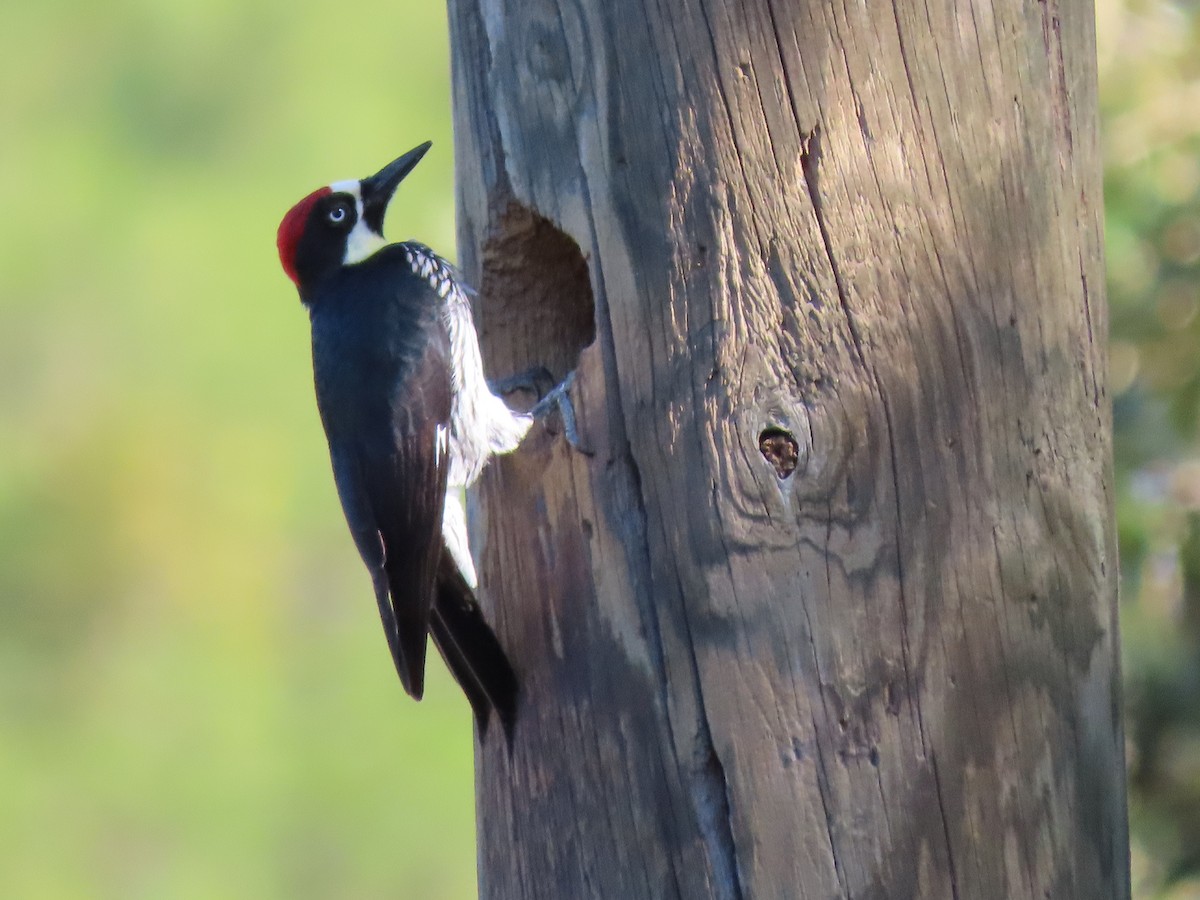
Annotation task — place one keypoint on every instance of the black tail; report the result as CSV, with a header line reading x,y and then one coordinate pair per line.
x,y
471,650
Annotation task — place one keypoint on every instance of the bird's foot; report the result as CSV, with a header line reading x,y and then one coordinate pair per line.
x,y
558,397
540,382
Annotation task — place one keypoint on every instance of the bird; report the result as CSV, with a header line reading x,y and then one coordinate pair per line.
x,y
409,418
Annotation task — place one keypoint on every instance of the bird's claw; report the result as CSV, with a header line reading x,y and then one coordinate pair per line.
x,y
559,396
538,380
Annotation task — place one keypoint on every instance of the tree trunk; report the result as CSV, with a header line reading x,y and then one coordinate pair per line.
x,y
831,608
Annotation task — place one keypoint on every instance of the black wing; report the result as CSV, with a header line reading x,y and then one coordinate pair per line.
x,y
471,650
391,469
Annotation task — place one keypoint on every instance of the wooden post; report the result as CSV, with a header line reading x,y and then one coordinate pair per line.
x,y
831,609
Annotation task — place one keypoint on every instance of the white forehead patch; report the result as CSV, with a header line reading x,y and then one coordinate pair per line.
x,y
362,242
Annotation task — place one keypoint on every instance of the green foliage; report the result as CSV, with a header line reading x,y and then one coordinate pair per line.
x,y
195,697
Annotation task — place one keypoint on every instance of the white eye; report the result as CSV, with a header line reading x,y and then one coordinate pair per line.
x,y
338,214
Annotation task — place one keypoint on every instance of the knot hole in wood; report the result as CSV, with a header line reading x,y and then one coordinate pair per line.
x,y
780,449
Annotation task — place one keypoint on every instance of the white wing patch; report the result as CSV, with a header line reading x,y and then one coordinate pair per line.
x,y
481,425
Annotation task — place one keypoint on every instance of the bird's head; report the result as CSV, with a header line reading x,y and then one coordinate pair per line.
x,y
341,224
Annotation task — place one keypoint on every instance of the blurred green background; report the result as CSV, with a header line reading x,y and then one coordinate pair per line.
x,y
195,697
195,700
1150,105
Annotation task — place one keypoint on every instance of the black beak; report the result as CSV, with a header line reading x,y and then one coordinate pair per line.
x,y
378,189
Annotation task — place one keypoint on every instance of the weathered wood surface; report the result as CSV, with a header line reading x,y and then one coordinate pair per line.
x,y
875,226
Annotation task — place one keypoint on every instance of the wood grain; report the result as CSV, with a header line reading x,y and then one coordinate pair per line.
x,y
873,227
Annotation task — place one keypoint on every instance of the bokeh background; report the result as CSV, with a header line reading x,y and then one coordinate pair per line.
x,y
195,697
1150,105
195,700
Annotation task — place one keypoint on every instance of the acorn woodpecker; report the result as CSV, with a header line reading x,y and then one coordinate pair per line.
x,y
408,414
